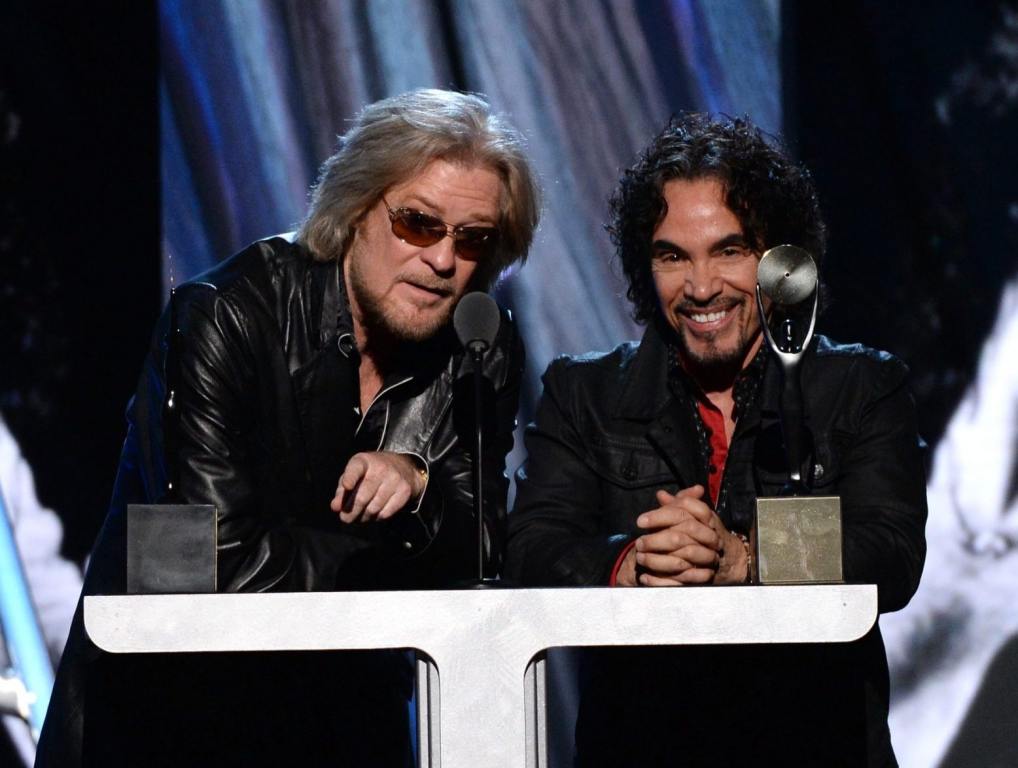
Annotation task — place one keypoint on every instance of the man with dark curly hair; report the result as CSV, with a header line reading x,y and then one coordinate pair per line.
x,y
645,464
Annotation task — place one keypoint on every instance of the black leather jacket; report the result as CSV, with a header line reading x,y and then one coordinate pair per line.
x,y
610,431
256,371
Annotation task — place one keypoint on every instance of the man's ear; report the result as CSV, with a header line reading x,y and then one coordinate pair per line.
x,y
351,235
356,224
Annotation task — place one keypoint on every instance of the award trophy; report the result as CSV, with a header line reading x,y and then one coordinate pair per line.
x,y
796,535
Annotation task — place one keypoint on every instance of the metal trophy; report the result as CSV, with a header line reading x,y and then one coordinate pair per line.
x,y
796,536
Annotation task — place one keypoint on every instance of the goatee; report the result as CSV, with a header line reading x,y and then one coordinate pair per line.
x,y
386,325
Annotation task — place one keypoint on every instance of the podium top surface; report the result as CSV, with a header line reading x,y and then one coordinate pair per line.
x,y
523,621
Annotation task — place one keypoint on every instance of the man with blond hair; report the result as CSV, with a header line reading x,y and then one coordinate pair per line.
x,y
304,387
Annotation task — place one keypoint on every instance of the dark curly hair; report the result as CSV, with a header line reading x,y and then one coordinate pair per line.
x,y
772,196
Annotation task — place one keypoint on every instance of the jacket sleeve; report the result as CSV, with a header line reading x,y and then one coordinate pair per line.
x,y
556,528
443,531
882,485
212,451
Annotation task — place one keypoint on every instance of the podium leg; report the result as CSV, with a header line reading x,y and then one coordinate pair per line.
x,y
536,707
429,752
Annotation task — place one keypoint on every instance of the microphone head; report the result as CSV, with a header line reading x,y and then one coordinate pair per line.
x,y
477,319
787,275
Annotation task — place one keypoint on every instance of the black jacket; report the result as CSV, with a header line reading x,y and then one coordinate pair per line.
x,y
259,370
610,431
261,361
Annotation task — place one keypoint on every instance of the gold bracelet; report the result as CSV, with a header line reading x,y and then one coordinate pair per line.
x,y
749,558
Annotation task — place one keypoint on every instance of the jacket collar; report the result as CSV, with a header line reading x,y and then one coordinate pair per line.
x,y
335,325
647,397
645,389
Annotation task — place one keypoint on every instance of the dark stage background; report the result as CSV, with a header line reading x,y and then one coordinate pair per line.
x,y
906,113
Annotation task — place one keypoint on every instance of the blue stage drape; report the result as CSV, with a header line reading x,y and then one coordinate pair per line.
x,y
253,94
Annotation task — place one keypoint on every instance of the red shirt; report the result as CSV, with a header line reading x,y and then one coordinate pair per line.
x,y
714,420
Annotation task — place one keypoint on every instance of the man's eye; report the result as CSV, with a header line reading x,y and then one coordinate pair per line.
x,y
667,261
476,234
420,220
733,252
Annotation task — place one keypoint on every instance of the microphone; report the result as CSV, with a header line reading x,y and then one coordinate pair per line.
x,y
476,321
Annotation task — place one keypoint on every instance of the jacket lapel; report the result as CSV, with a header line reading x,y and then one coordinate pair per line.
x,y
646,397
420,403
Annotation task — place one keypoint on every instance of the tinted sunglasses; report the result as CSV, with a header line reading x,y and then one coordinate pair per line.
x,y
422,229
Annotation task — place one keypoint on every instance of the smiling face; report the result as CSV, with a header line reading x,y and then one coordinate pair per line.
x,y
705,276
408,292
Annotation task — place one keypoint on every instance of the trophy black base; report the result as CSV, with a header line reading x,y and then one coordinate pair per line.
x,y
171,549
482,584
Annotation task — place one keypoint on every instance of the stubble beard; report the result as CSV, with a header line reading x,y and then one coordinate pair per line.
x,y
387,322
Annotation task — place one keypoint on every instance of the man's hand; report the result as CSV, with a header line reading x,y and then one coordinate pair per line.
x,y
687,544
376,485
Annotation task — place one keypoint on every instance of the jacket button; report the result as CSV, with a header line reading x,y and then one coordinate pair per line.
x,y
407,545
629,473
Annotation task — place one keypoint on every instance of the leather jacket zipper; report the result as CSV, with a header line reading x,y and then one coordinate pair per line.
x,y
375,399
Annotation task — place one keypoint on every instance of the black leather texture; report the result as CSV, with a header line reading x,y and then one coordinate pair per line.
x,y
258,358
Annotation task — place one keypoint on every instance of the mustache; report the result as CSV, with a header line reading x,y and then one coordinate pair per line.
x,y
688,305
430,283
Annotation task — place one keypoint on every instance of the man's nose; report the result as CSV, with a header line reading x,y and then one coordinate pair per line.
x,y
703,282
441,256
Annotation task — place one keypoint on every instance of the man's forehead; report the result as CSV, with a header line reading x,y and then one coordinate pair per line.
x,y
443,184
695,207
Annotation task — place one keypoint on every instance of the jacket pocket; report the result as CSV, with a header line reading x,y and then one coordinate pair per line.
x,y
629,463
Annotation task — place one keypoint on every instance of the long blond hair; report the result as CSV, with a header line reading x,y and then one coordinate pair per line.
x,y
393,140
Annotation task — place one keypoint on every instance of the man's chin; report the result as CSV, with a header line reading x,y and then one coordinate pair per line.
x,y
709,354
415,326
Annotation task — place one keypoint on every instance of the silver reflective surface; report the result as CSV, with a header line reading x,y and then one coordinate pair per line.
x,y
787,275
481,642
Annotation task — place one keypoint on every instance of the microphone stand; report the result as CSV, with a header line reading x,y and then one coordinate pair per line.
x,y
476,321
477,349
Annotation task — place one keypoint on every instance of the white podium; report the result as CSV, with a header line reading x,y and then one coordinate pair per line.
x,y
480,668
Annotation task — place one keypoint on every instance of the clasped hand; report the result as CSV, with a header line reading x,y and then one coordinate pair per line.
x,y
686,543
376,485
